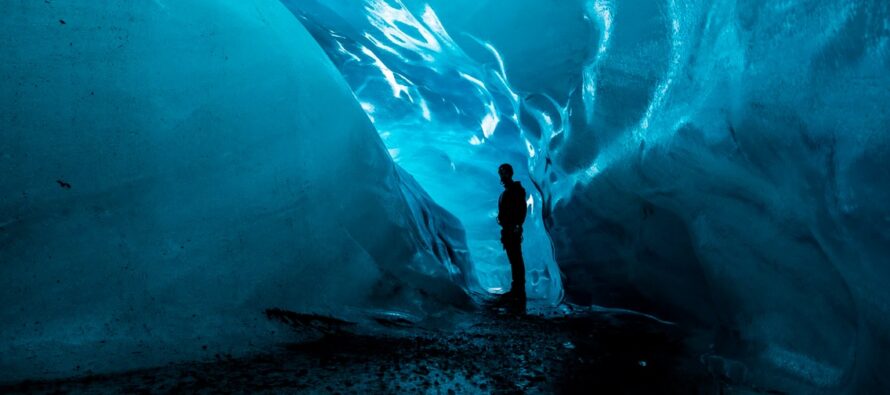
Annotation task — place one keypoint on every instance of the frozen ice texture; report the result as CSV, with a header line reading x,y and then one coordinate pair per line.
x,y
447,118
715,163
170,169
719,163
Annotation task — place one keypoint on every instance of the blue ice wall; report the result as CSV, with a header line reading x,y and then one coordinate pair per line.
x,y
171,169
448,118
718,163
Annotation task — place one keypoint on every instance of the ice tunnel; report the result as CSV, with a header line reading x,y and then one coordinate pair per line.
x,y
447,118
171,169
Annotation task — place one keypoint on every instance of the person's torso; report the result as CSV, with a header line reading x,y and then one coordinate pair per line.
x,y
511,205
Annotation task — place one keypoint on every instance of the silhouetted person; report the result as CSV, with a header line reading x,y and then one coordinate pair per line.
x,y
511,214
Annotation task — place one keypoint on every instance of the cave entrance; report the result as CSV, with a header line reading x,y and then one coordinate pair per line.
x,y
448,119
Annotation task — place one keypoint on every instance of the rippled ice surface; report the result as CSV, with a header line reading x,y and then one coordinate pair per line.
x,y
173,168
719,162
446,117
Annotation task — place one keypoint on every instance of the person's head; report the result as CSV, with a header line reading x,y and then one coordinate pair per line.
x,y
506,173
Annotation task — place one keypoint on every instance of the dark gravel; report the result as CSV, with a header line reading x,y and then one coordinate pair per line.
x,y
498,353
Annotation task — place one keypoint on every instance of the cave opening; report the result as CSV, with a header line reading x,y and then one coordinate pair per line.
x,y
449,119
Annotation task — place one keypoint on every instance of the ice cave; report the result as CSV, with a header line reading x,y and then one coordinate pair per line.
x,y
172,170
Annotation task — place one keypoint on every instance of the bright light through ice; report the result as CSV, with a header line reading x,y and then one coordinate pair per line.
x,y
381,45
488,124
601,11
605,15
474,80
345,51
591,173
530,203
384,17
432,20
425,110
502,74
531,149
475,140
397,88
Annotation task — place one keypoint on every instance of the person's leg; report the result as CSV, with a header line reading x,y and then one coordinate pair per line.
x,y
507,243
517,268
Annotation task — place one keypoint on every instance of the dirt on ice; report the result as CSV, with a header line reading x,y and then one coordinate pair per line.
x,y
495,353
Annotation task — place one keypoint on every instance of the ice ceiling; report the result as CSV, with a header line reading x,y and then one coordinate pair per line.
x,y
173,168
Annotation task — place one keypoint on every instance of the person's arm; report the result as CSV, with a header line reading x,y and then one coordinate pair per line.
x,y
521,207
500,209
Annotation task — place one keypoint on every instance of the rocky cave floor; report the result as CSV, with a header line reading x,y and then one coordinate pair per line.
x,y
495,353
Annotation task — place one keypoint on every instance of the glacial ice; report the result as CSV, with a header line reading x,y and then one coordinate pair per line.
x,y
446,118
719,164
715,163
172,169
